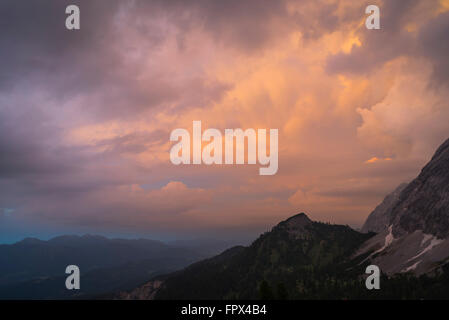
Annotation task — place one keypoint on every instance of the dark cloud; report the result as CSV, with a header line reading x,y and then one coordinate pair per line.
x,y
38,53
434,45
378,46
133,143
38,46
315,21
40,50
41,53
23,140
247,24
393,40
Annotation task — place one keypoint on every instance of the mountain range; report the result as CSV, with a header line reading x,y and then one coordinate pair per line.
x,y
35,269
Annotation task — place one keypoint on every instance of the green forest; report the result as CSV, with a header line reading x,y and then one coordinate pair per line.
x,y
310,262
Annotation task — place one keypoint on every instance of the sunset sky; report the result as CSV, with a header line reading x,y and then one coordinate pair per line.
x,y
86,116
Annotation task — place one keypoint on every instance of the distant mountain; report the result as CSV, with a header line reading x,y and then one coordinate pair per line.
x,y
208,246
414,226
34,268
94,283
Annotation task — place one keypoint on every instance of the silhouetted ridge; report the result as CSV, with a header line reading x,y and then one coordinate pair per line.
x,y
443,149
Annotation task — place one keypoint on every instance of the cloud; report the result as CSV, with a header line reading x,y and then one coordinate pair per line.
x,y
85,116
122,206
378,46
376,159
409,120
434,45
408,28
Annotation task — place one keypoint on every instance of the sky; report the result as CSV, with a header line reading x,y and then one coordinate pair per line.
x,y
86,115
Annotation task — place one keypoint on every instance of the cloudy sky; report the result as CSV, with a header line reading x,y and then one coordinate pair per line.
x,y
85,116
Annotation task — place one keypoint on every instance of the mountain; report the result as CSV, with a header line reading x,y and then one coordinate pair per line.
x,y
379,219
294,254
35,269
208,246
94,283
413,226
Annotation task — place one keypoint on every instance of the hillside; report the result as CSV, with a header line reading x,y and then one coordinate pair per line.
x,y
294,259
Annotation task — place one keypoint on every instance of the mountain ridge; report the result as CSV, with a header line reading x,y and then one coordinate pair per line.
x,y
294,250
35,269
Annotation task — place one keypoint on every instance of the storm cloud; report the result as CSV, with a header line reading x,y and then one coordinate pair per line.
x,y
85,116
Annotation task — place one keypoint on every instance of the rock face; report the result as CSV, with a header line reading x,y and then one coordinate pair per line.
x,y
413,226
424,203
379,219
145,292
415,252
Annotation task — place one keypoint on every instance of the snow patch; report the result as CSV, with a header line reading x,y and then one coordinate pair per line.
x,y
412,267
388,239
434,242
426,238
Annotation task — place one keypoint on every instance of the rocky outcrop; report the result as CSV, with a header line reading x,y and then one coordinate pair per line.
x,y
379,219
415,252
144,292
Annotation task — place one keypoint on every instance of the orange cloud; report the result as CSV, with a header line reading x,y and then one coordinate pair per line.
x,y
376,159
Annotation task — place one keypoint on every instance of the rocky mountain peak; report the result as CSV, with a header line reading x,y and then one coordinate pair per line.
x,y
298,221
295,225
